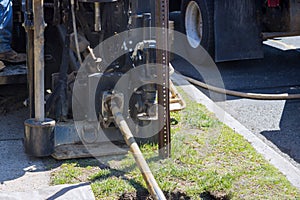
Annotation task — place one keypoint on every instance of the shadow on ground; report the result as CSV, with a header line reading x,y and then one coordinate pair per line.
x,y
14,163
287,139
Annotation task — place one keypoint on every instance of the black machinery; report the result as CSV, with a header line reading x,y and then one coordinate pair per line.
x,y
87,91
64,51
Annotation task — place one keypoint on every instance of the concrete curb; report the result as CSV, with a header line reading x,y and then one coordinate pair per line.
x,y
282,164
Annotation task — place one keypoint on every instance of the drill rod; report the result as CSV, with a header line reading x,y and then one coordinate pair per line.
x,y
152,185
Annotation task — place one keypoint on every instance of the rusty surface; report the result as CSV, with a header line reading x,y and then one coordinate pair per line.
x,y
162,21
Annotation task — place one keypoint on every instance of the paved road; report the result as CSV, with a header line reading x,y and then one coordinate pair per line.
x,y
278,72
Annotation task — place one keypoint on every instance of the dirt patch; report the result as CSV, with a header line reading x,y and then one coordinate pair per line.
x,y
215,196
144,195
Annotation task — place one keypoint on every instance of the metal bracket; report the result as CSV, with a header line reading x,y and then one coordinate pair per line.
x,y
107,116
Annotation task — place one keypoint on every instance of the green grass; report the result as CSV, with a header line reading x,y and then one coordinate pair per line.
x,y
207,158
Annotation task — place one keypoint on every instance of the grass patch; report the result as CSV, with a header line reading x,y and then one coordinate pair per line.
x,y
209,161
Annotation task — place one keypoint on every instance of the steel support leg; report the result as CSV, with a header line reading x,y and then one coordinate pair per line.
x,y
39,27
39,135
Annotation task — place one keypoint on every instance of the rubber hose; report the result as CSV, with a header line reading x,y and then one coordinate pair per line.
x,y
75,31
257,96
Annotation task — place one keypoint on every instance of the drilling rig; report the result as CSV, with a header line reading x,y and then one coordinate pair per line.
x,y
98,76
77,52
93,67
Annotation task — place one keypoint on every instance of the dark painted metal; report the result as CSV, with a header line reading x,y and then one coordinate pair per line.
x,y
294,13
74,65
12,78
28,24
237,30
39,137
98,1
62,107
162,56
67,133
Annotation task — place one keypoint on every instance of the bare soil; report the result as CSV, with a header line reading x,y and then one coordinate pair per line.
x,y
176,195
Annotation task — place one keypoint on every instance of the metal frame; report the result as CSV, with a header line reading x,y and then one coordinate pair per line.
x,y
162,56
36,77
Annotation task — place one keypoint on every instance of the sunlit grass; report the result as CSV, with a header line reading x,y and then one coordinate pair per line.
x,y
207,158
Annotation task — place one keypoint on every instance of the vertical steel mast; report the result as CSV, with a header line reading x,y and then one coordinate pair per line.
x,y
162,22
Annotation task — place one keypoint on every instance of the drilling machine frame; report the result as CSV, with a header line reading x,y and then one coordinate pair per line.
x,y
62,36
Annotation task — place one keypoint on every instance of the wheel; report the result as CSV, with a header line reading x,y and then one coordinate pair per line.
x,y
197,17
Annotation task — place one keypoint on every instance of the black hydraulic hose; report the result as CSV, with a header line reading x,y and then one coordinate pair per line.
x,y
75,31
74,65
151,183
257,96
63,77
64,36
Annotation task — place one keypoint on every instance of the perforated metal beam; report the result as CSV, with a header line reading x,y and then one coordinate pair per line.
x,y
162,21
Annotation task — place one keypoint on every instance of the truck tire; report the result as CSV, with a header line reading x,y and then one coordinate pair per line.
x,y
197,18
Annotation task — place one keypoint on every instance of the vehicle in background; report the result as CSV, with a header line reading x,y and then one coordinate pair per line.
x,y
234,30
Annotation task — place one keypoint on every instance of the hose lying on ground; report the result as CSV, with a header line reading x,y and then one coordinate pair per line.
x,y
151,183
257,96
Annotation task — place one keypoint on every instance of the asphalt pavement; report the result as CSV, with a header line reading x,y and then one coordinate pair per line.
x,y
278,72
282,162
